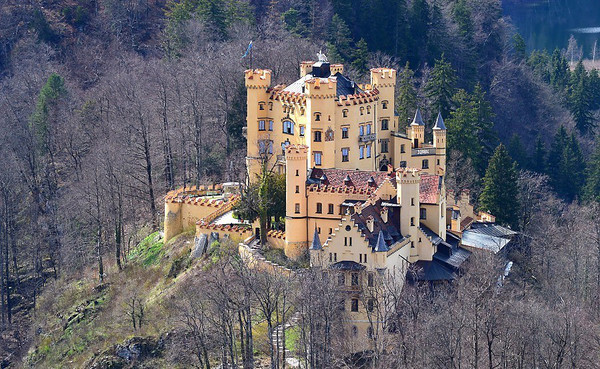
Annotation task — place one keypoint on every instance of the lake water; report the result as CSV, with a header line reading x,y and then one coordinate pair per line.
x,y
547,24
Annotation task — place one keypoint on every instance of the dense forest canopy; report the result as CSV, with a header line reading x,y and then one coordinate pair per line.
x,y
106,105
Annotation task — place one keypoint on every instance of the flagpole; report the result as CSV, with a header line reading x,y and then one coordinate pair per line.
x,y
251,52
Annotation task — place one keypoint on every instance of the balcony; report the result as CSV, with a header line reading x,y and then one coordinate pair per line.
x,y
367,138
280,159
423,151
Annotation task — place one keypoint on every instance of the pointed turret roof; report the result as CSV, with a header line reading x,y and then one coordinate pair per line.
x,y
418,121
316,242
381,245
439,122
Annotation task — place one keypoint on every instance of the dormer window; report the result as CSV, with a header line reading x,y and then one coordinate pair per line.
x,y
317,117
345,113
384,104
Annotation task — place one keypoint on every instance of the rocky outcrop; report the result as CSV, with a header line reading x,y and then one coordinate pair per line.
x,y
131,353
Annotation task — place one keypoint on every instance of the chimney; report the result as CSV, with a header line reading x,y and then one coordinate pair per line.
x,y
384,214
370,223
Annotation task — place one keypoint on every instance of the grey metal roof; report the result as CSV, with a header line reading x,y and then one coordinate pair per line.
x,y
439,122
478,240
316,242
492,229
347,265
418,120
381,245
453,259
431,271
344,87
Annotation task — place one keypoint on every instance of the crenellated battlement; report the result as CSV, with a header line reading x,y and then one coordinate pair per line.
x,y
258,78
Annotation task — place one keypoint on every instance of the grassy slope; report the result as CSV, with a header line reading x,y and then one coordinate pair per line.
x,y
79,319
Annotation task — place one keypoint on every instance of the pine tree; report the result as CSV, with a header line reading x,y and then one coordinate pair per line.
x,y
462,132
517,151
580,99
538,162
520,50
406,97
594,87
339,46
566,165
539,61
484,124
559,71
361,55
499,195
418,22
439,89
53,89
592,186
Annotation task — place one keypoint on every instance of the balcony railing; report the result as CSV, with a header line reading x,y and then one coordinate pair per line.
x,y
366,138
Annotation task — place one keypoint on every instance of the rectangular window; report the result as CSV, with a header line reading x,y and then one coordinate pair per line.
x,y
350,239
301,130
402,148
370,280
261,125
355,279
344,132
423,213
270,147
360,258
345,154
317,137
288,127
341,279
330,257
368,129
330,230
330,209
345,113
365,258
354,306
319,208
368,151
297,208
412,221
361,130
335,256
384,146
385,124
361,152
318,156
345,241
425,164
271,124
412,201
297,189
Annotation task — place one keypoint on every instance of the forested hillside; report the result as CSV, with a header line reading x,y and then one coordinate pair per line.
x,y
105,105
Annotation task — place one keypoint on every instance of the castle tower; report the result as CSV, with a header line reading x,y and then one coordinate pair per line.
x,y
384,80
439,142
320,108
417,130
408,181
257,82
296,221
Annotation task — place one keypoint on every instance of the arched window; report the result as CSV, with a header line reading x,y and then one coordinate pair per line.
x,y
362,110
368,109
261,106
317,117
384,104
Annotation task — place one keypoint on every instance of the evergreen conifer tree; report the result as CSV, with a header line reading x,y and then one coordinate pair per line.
x,y
566,165
462,132
580,99
517,151
406,97
592,186
559,71
520,50
361,55
499,195
484,124
538,162
339,46
439,89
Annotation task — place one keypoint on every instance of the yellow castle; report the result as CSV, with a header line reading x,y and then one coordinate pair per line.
x,y
362,199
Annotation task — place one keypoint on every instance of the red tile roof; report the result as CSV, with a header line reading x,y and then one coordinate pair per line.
x,y
359,179
429,189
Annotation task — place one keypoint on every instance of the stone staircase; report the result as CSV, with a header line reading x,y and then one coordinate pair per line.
x,y
290,360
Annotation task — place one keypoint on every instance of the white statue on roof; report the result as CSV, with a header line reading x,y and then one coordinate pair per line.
x,y
321,56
